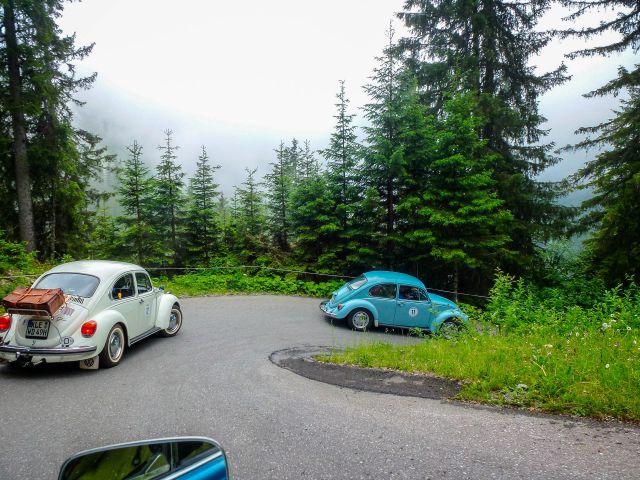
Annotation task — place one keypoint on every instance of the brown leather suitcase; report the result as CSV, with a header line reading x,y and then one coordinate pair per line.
x,y
26,300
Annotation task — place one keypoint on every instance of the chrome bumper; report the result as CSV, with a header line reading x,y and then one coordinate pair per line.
x,y
31,351
323,307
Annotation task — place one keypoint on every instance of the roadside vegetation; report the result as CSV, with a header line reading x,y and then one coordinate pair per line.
x,y
239,281
573,349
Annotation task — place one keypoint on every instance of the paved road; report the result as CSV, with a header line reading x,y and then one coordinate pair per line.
x,y
215,379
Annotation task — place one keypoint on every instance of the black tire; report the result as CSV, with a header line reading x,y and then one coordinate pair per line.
x,y
114,347
450,328
173,328
360,320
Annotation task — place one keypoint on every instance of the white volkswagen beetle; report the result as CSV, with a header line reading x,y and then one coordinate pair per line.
x,y
109,307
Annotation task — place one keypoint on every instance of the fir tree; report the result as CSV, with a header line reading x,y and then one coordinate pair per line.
x,y
343,156
250,217
384,157
484,47
169,199
203,227
614,174
135,198
457,218
38,82
279,183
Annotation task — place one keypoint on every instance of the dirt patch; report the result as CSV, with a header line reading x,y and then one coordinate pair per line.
x,y
300,361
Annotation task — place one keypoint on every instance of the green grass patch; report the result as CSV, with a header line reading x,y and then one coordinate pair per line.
x,y
207,283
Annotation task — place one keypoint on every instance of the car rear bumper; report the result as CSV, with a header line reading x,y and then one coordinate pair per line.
x,y
56,354
325,310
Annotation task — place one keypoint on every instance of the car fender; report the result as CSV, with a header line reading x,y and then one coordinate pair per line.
x,y
106,319
351,305
446,315
165,304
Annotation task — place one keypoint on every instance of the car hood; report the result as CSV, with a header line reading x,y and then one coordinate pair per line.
x,y
441,300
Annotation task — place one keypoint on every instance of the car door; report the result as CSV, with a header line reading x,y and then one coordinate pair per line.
x,y
146,301
124,298
383,297
413,307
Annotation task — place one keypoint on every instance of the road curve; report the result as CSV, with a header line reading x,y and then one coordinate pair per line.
x,y
215,379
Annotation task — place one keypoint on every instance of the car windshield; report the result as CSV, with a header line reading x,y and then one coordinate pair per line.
x,y
356,283
71,283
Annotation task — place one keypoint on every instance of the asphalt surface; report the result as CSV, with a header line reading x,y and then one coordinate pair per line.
x,y
215,379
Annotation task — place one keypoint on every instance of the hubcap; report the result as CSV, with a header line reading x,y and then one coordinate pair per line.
x,y
360,319
115,345
174,321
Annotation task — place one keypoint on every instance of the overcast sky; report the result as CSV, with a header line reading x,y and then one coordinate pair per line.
x,y
238,77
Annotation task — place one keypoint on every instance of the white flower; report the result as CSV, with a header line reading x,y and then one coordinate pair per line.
x,y
577,334
548,345
628,328
605,325
606,366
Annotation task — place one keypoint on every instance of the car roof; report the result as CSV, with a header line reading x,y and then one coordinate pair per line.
x,y
396,277
103,269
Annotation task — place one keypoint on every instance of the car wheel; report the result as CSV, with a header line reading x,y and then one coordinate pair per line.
x,y
360,319
450,328
113,350
175,322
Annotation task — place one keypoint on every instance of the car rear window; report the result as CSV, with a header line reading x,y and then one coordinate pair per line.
x,y
71,283
356,283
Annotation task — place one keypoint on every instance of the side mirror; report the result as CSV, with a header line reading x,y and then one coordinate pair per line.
x,y
188,457
161,288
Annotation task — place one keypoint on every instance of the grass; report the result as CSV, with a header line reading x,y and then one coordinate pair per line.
x,y
543,355
206,283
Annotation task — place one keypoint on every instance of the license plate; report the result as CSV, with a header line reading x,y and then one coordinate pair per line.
x,y
38,329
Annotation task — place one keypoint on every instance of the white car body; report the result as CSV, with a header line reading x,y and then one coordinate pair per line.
x,y
141,313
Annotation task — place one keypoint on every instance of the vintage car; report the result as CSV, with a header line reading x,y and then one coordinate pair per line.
x,y
392,299
109,307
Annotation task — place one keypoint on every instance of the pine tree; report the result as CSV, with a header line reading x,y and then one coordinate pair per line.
x,y
279,183
203,226
484,47
343,157
135,198
307,167
384,157
169,199
314,223
614,174
250,217
457,218
38,82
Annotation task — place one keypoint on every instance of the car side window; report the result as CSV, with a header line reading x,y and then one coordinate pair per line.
x,y
423,296
143,282
385,290
408,292
123,287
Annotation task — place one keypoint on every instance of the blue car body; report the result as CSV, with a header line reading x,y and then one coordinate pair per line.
x,y
391,299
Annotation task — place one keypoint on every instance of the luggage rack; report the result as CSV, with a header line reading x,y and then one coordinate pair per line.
x,y
29,311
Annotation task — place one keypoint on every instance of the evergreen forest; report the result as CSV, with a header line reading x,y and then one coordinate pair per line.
x,y
437,176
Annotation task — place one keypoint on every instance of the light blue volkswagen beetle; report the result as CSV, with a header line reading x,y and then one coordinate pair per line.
x,y
392,299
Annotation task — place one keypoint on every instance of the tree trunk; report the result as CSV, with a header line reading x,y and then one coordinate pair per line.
x,y
22,178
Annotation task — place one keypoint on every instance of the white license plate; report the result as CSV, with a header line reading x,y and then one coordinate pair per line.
x,y
38,329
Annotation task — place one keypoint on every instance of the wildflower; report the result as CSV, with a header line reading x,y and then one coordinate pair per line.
x,y
577,334
606,366
605,325
628,328
548,345
617,344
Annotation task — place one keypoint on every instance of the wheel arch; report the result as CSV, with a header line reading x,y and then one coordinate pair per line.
x,y
165,304
106,320
355,304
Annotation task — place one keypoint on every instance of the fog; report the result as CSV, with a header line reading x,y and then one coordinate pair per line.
x,y
239,78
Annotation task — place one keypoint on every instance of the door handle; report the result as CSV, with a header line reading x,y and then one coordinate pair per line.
x,y
400,304
142,300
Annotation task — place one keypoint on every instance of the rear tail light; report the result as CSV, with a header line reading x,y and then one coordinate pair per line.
x,y
5,323
89,328
339,306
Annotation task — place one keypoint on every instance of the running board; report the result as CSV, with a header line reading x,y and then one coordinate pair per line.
x,y
144,335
